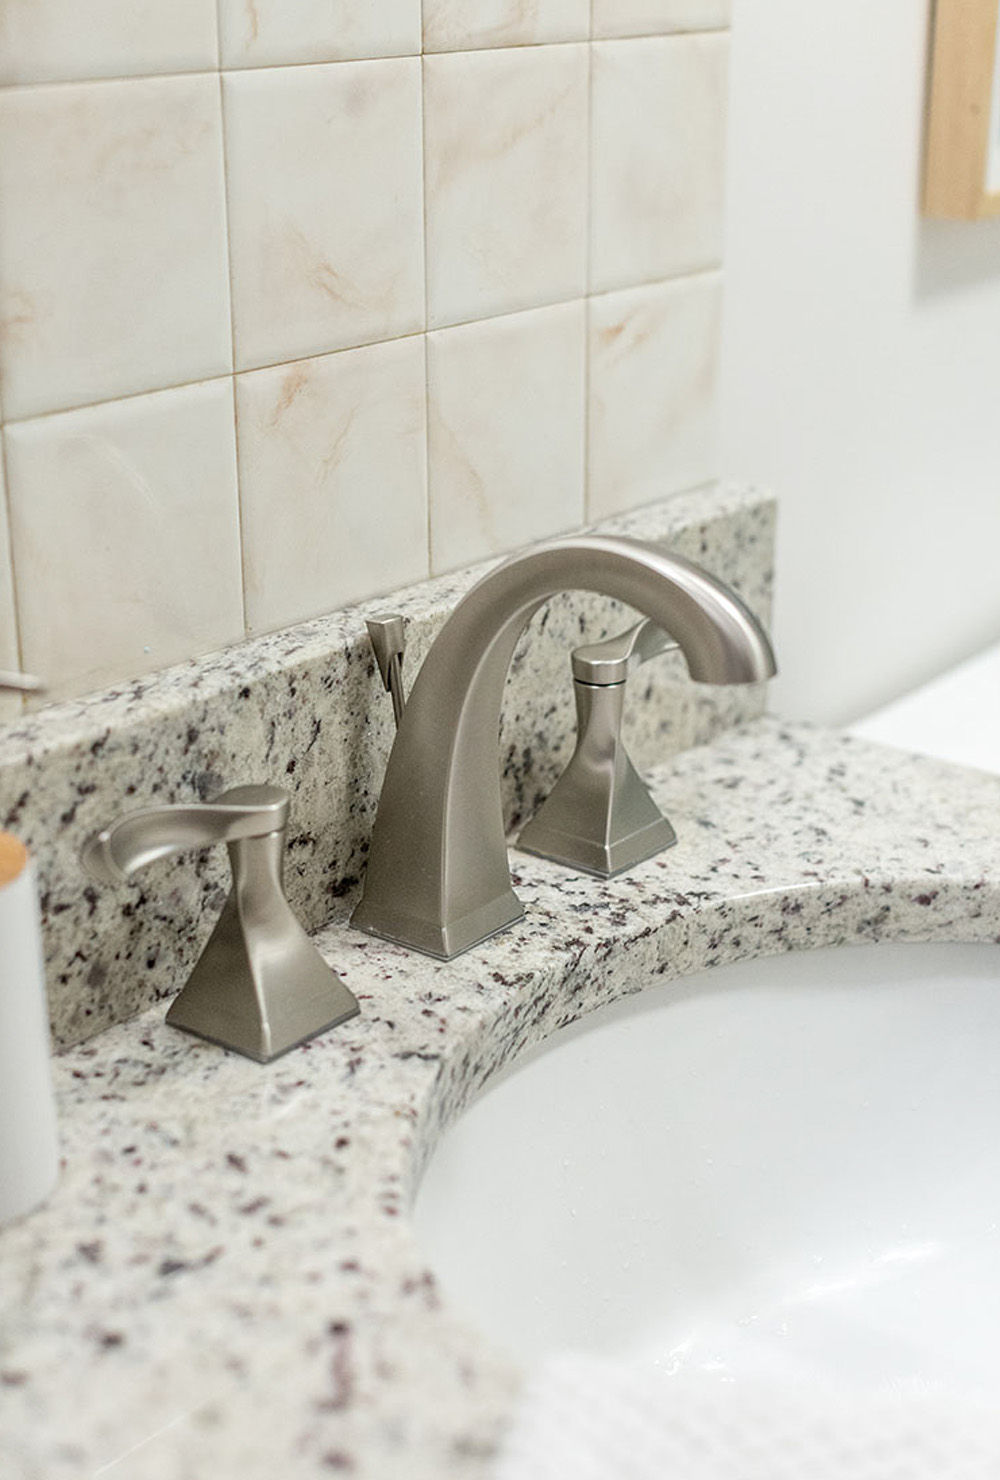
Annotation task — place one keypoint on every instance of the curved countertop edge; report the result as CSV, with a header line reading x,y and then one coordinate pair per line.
x,y
224,1281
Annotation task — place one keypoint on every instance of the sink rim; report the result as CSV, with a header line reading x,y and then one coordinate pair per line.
x,y
706,985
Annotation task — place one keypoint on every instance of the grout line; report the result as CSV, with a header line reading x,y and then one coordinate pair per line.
x,y
38,82
9,556
587,308
680,277
59,82
156,390
660,35
426,338
226,211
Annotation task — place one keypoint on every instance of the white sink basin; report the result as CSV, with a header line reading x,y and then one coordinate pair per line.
x,y
786,1166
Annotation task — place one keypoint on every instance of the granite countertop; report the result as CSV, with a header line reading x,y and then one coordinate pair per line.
x,y
225,1283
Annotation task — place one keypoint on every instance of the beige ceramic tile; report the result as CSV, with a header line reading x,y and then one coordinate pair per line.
x,y
52,40
333,480
125,532
455,25
325,204
505,432
10,704
653,376
113,273
659,110
506,161
267,33
647,17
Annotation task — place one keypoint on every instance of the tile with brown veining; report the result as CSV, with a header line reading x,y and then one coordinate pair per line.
x,y
333,481
325,207
506,163
653,373
454,25
658,153
125,535
650,17
258,33
113,277
62,40
505,432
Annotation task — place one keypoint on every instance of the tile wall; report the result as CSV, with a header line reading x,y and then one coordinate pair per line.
x,y
304,300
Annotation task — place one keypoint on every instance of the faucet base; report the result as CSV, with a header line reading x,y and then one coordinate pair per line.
x,y
602,858
599,816
261,991
431,937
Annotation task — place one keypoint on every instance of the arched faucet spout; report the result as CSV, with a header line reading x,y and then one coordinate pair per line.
x,y
438,877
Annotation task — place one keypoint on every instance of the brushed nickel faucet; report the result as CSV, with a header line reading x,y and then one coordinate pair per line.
x,y
260,986
600,816
438,877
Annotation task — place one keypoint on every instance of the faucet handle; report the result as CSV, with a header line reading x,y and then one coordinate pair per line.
x,y
115,853
612,660
260,986
600,816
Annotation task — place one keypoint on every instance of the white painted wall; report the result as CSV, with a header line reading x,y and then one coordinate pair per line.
x,y
861,359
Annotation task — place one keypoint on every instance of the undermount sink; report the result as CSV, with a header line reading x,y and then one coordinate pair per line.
x,y
787,1166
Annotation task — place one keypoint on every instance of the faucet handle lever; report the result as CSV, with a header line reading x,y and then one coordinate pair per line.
x,y
116,852
260,985
388,639
612,660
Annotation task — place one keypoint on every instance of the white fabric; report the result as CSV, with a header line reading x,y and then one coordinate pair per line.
x,y
582,1418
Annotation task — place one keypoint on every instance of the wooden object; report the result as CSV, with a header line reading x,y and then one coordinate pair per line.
x,y
13,857
962,126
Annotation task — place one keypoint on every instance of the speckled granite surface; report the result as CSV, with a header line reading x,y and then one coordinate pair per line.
x,y
304,708
224,1283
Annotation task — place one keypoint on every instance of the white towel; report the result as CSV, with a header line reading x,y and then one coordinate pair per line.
x,y
583,1418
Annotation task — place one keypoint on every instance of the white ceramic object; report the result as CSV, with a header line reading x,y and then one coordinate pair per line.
x,y
781,1167
29,1153
955,717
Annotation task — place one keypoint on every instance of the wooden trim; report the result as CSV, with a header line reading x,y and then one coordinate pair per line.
x,y
962,73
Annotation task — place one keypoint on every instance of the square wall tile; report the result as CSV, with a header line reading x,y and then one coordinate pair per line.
x,y
125,533
455,25
10,703
325,207
113,271
333,480
653,379
62,40
648,17
658,141
267,33
505,432
506,162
